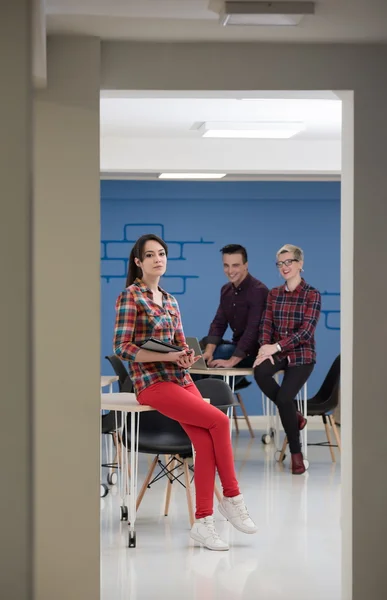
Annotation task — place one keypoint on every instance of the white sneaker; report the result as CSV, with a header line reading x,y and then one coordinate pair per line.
x,y
203,531
235,511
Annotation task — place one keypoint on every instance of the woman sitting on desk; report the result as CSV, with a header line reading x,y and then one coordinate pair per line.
x,y
144,310
287,344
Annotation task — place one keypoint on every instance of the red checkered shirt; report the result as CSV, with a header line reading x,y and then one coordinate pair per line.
x,y
139,318
290,319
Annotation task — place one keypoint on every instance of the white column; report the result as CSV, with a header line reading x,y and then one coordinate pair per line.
x,y
15,313
67,324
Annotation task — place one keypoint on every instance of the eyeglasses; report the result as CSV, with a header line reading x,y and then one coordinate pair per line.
x,y
286,263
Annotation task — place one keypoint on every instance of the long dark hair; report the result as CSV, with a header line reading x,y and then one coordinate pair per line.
x,y
138,252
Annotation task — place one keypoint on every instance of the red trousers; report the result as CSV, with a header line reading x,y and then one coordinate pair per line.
x,y
209,431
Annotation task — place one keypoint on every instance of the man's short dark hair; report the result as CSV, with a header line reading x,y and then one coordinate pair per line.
x,y
235,249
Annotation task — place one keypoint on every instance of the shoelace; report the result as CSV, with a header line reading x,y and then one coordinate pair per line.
x,y
211,528
244,515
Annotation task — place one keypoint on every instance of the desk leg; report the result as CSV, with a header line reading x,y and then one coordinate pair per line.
x,y
230,413
231,383
103,487
305,413
123,471
277,420
134,437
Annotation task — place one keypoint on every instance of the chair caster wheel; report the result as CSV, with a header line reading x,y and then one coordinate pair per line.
x,y
266,438
272,432
132,539
278,455
112,478
104,490
124,513
306,463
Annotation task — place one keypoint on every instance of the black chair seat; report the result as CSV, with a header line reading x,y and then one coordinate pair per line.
x,y
315,409
159,435
165,443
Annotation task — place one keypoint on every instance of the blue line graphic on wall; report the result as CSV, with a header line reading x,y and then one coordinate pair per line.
x,y
115,253
331,299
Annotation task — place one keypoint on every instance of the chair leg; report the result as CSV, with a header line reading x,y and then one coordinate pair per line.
x,y
169,489
218,494
187,482
246,416
283,450
234,413
146,482
328,434
335,431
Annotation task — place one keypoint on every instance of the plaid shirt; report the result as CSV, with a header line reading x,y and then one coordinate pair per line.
x,y
290,319
139,318
242,309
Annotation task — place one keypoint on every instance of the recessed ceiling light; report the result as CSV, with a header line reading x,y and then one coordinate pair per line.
x,y
192,175
263,130
256,13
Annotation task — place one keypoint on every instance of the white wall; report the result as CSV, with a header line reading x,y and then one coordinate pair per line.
x,y
230,156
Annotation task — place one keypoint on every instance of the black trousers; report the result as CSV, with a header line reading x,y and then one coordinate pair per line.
x,y
284,395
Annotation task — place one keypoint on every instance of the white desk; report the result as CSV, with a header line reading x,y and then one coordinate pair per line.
x,y
108,380
127,403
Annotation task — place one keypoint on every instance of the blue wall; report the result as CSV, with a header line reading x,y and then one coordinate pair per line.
x,y
196,220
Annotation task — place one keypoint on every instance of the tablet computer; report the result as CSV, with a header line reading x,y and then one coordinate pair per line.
x,y
159,346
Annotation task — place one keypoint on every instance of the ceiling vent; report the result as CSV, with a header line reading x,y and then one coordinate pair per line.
x,y
250,12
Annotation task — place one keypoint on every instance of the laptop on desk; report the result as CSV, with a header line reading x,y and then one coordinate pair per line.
x,y
193,344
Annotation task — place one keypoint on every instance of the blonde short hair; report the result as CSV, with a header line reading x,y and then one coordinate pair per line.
x,y
297,252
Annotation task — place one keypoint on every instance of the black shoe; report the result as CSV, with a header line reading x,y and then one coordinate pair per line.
x,y
242,384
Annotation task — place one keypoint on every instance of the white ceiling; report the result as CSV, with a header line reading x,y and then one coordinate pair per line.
x,y
154,132
193,20
181,117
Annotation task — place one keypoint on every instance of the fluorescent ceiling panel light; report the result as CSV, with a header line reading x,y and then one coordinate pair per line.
x,y
265,13
277,134
192,175
263,130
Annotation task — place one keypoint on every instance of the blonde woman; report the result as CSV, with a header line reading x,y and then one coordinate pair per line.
x,y
287,344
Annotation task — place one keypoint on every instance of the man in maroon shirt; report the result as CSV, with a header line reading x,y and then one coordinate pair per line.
x,y
242,302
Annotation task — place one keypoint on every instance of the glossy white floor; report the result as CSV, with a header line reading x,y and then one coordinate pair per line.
x,y
294,556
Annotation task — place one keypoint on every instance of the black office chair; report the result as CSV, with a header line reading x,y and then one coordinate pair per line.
x,y
322,403
124,382
218,392
161,435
